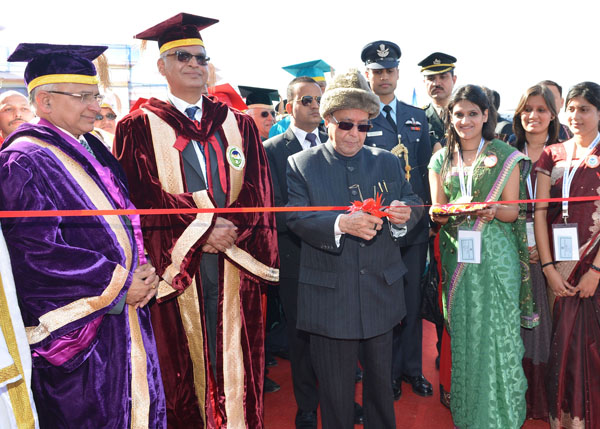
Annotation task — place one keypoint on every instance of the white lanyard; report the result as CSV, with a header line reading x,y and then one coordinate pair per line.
x,y
466,190
569,173
532,190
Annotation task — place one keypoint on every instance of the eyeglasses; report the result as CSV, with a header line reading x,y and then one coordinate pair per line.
x,y
86,98
109,116
266,113
347,126
185,57
307,100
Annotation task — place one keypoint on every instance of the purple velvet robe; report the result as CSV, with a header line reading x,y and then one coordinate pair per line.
x,y
69,273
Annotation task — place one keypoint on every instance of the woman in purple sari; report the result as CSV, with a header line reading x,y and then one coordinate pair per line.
x,y
572,169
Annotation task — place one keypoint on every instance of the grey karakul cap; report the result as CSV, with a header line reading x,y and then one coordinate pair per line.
x,y
349,90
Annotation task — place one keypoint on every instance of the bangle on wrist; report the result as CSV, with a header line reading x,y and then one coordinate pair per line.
x,y
551,263
595,268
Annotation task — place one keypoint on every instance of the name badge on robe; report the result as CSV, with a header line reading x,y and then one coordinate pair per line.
x,y
530,234
374,133
469,246
566,243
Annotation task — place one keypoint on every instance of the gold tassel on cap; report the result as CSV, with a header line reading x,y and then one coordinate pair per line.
x,y
101,64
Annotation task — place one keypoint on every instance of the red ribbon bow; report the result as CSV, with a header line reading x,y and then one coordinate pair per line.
x,y
370,206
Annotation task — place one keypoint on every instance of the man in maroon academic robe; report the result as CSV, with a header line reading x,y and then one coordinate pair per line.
x,y
194,152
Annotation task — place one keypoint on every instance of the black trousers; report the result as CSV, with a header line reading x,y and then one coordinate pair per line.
x,y
209,274
334,361
408,336
304,379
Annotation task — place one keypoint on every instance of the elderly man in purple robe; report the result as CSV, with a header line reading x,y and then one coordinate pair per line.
x,y
82,282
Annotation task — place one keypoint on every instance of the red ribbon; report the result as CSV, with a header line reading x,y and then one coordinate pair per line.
x,y
121,212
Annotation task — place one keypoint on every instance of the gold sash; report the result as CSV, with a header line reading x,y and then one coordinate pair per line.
x,y
59,317
170,176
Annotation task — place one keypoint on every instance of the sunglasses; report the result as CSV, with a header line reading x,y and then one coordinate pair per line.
x,y
347,126
185,57
109,116
266,113
308,99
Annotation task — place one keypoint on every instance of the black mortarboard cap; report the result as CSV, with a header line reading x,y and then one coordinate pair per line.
x,y
256,96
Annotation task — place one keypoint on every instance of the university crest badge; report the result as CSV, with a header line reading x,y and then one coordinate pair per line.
x,y
235,157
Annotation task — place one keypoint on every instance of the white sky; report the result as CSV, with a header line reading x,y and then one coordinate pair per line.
x,y
507,45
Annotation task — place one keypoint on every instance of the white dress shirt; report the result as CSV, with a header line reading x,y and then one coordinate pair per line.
x,y
181,106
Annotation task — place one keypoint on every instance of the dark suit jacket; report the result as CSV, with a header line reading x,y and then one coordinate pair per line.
x,y
278,149
209,264
353,291
416,139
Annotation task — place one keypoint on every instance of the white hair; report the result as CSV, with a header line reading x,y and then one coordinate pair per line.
x,y
32,95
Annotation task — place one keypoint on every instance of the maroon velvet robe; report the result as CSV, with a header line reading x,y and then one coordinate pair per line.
x,y
256,235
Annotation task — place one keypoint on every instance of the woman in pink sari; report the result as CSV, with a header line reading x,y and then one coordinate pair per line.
x,y
572,169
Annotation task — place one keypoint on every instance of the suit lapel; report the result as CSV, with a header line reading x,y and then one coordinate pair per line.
x,y
193,174
293,145
381,122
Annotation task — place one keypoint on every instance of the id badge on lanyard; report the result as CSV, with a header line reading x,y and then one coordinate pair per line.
x,y
566,243
469,246
469,242
466,189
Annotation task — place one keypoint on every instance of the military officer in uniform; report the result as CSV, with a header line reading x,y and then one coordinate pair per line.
x,y
439,78
402,129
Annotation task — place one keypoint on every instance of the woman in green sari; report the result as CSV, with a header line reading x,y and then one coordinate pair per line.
x,y
487,294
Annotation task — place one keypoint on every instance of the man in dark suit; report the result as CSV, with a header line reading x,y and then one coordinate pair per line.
x,y
350,290
403,130
304,95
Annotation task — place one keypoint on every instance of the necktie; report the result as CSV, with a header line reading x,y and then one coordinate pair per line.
x,y
312,139
86,145
388,115
191,112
